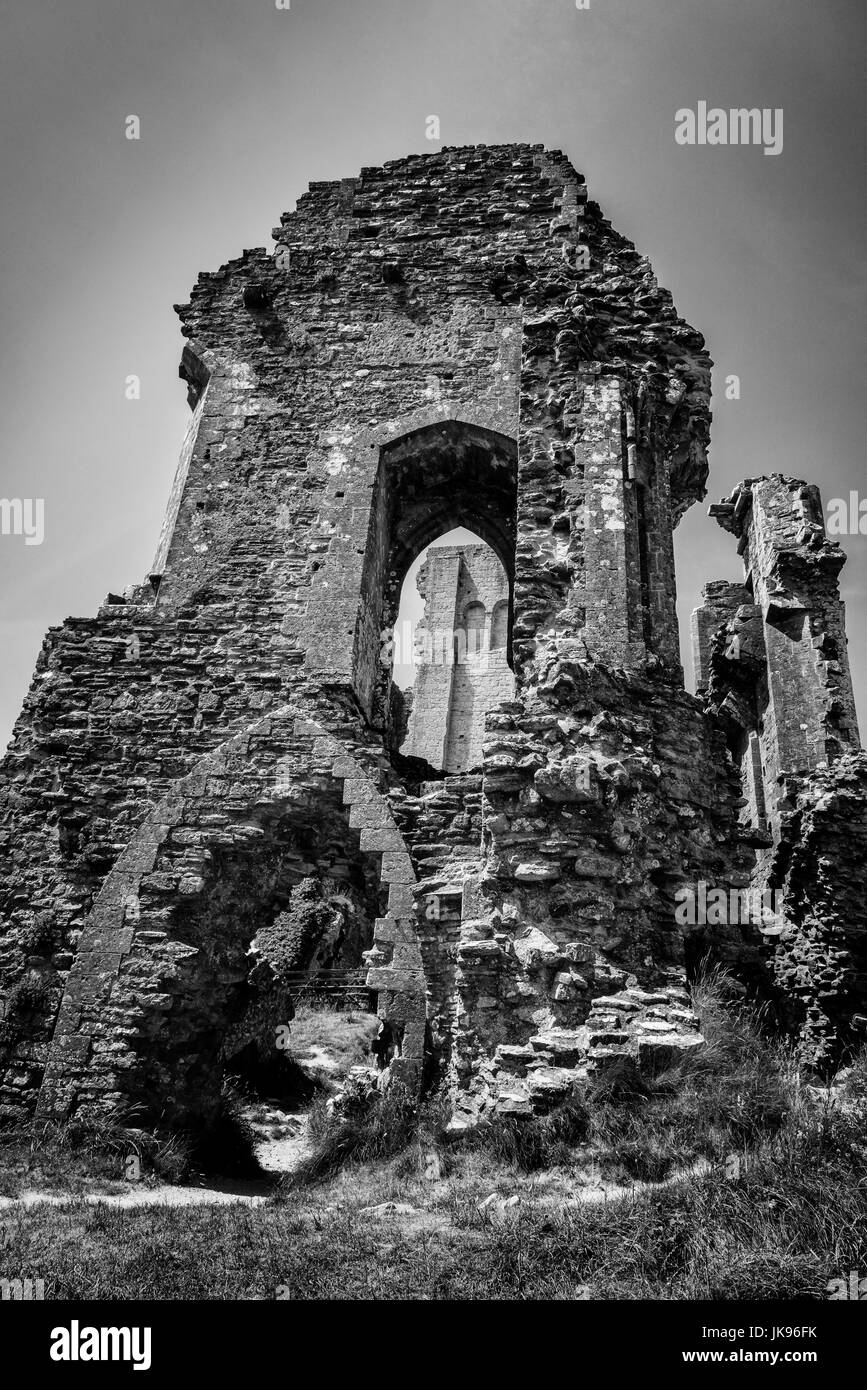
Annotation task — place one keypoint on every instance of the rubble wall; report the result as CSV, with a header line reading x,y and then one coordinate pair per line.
x,y
458,339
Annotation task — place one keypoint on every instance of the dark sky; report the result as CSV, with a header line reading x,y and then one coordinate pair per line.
x,y
242,104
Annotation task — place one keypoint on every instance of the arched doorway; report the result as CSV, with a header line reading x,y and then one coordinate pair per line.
x,y
429,482
160,994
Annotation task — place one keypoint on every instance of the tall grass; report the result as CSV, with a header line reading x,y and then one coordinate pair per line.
x,y
793,1219
374,1129
71,1155
777,1210
738,1091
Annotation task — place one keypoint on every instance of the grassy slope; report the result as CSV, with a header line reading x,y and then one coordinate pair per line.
x,y
780,1211
343,1035
793,1221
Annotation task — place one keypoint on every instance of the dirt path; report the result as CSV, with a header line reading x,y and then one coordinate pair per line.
x,y
282,1140
168,1196
274,1155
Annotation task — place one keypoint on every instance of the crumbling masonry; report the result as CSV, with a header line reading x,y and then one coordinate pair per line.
x,y
458,339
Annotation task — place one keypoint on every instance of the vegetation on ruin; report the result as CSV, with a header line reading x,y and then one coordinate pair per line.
x,y
794,1219
719,1101
727,1177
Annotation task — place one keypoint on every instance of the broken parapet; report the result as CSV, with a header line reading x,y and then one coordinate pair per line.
x,y
780,667
720,602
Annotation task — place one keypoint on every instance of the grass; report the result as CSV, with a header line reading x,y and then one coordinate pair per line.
x,y
84,1155
343,1036
793,1219
92,1155
777,1209
393,1124
725,1098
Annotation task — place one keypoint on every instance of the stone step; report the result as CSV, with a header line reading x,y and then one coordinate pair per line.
x,y
548,1086
599,1021
665,1049
599,1057
615,1003
565,1046
656,1025
514,1058
610,1038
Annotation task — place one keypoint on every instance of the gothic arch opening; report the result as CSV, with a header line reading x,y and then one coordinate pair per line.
x,y
277,856
289,905
500,626
473,634
429,482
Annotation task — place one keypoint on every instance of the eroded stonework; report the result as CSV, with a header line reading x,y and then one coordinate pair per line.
x,y
458,339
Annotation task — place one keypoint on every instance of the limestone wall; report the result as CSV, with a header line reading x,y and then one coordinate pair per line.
x,y
773,666
458,339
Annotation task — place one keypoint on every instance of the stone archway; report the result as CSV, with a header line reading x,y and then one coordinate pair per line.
x,y
141,1007
430,480
390,492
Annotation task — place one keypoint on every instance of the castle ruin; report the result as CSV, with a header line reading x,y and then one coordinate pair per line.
x,y
220,758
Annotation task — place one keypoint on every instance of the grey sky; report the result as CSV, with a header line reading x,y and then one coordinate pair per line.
x,y
242,104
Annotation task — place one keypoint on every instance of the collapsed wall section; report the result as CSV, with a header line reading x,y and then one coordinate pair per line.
x,y
807,707
604,792
772,665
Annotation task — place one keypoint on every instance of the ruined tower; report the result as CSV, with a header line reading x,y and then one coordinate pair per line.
x,y
461,655
457,339
771,662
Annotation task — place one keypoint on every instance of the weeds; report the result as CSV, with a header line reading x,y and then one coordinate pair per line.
x,y
384,1126
115,1148
71,1156
793,1220
776,1210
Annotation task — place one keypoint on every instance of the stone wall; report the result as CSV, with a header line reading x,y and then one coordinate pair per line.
x,y
772,664
159,974
805,703
459,339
